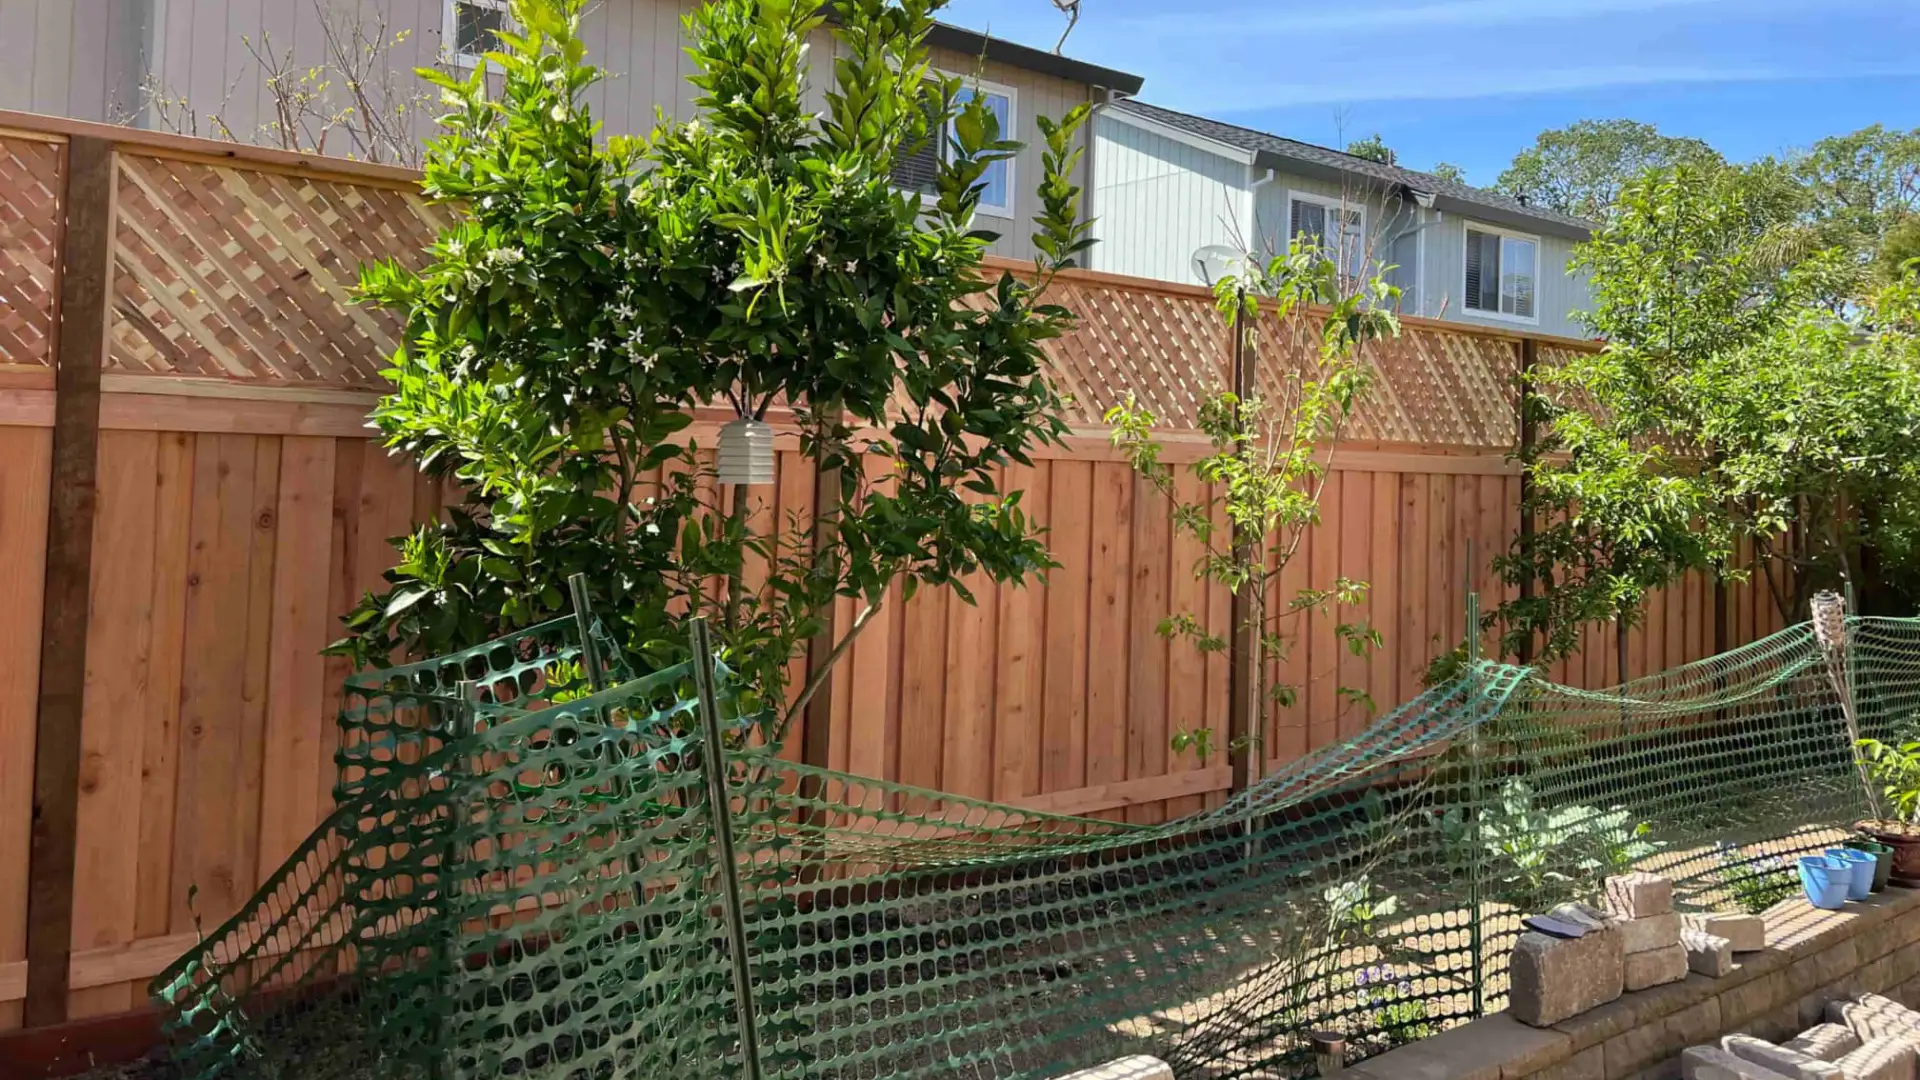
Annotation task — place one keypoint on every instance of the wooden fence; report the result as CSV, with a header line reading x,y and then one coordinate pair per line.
x,y
189,499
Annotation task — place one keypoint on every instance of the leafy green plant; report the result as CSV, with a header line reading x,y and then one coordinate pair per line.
x,y
592,293
1539,855
1896,768
1755,883
1266,466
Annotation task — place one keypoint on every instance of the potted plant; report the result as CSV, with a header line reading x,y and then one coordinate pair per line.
x,y
1896,769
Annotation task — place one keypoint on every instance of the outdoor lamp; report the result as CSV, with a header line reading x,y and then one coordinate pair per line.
x,y
746,452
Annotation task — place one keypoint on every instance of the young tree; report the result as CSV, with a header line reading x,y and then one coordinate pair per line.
x,y
1580,169
1270,454
1373,148
597,291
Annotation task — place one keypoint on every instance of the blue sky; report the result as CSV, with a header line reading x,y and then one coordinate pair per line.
x,y
1473,81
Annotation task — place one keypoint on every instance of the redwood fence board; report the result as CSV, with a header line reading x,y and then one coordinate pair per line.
x,y
243,507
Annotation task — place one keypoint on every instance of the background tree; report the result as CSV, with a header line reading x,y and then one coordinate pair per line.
x,y
1863,185
594,293
1448,171
1373,148
1580,169
1270,455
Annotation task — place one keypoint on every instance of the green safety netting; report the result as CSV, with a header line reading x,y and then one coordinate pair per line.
x,y
524,878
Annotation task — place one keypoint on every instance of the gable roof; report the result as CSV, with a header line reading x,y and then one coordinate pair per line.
x,y
1305,159
1014,54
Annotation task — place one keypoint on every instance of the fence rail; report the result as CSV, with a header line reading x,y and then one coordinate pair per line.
x,y
240,506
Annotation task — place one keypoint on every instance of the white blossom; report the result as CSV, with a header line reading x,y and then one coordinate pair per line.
x,y
559,112
506,256
597,345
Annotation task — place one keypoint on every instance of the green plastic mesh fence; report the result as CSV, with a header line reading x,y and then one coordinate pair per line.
x,y
537,891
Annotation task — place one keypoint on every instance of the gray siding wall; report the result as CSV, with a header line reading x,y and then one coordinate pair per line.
x,y
1391,245
1560,293
1156,201
79,58
55,58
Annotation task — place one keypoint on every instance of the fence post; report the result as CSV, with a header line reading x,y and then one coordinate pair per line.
x,y
713,763
1245,749
85,271
1475,938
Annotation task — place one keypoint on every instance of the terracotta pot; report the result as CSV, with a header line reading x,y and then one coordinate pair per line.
x,y
1905,842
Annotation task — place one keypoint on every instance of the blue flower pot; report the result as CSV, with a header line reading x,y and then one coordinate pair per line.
x,y
1860,865
1825,881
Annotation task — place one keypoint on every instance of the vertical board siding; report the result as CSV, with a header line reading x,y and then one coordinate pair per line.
x,y
1157,201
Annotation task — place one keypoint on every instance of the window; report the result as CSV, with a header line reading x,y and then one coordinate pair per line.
x,y
1339,229
917,171
469,29
1501,270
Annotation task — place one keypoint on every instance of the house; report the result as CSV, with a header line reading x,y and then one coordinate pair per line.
x,y
1168,183
122,60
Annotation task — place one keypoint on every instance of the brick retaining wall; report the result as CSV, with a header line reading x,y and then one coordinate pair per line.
x,y
1812,957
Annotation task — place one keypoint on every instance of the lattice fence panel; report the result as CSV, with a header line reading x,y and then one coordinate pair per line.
x,y
30,190
1169,349
245,274
1431,386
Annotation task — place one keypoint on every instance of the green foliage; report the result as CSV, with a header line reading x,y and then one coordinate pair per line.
x,y
1540,856
1896,768
1863,184
1267,464
1373,148
1757,883
1737,395
592,293
1582,168
1898,257
1448,171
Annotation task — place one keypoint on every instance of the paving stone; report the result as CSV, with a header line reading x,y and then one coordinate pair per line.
x,y
1638,895
1748,933
1872,1020
1138,1067
1828,1042
1879,1059
1650,933
1654,968
1707,954
1786,1061
1554,979
1713,1063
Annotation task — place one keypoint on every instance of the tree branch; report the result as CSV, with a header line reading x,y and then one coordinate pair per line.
x,y
825,670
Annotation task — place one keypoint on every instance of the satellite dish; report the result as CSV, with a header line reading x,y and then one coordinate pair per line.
x,y
1217,261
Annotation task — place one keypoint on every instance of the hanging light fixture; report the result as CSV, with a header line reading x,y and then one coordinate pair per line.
x,y
746,452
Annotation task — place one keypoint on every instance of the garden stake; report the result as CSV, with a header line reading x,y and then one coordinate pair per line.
x,y
714,764
1830,630
583,618
1473,785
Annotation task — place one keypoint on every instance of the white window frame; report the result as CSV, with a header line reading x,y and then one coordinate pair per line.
x,y
988,86
1469,225
450,32
1332,203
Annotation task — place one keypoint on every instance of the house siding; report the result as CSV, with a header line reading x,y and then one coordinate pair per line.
x,y
1157,200
1559,293
1388,222
54,59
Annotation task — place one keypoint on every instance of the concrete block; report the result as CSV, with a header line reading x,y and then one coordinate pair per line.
x,y
1884,1004
1828,1042
1713,1063
1650,933
1554,979
1879,1059
1784,1060
1655,968
1747,933
1138,1067
1871,1021
1706,954
1638,895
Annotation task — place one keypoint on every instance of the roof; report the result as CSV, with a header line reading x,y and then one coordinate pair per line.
x,y
974,43
1306,159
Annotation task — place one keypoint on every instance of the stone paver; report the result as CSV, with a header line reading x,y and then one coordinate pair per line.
x,y
1138,1067
1781,1059
1747,933
1879,1059
1554,979
1707,954
1650,933
1656,967
1638,895
1827,1042
1713,1063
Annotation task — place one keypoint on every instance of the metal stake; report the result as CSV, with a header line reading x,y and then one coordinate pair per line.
x,y
1329,1052
583,618
1473,786
713,763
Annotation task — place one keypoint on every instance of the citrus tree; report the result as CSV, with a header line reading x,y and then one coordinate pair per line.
x,y
596,291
